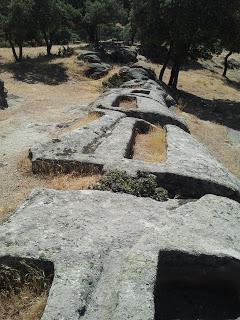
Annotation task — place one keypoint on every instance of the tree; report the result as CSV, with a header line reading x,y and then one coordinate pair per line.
x,y
50,16
231,40
100,12
189,29
16,23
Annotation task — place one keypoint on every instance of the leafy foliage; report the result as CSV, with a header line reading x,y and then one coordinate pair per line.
x,y
51,16
15,21
144,185
100,12
187,28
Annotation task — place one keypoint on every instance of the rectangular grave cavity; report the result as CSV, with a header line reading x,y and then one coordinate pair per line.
x,y
24,287
191,287
148,143
125,103
140,91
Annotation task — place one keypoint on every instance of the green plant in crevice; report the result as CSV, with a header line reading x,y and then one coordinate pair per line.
x,y
144,185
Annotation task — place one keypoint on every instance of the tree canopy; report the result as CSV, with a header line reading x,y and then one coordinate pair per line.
x,y
186,29
99,12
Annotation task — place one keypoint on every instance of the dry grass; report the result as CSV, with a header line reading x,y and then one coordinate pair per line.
x,y
71,182
24,164
27,182
90,117
127,103
24,289
151,146
7,209
214,137
23,306
61,182
31,52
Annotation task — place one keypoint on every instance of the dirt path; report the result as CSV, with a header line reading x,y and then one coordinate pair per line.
x,y
36,113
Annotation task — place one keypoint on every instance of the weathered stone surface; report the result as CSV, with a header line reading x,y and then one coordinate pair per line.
x,y
140,77
97,70
137,73
110,250
107,144
152,104
189,170
74,151
90,56
3,96
122,55
234,64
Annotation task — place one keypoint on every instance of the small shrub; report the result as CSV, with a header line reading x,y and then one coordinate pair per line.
x,y
114,82
181,104
144,185
65,52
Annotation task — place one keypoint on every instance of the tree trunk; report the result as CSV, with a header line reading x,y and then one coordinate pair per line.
x,y
20,55
164,67
96,37
132,39
226,63
170,83
91,34
49,48
173,81
13,50
48,43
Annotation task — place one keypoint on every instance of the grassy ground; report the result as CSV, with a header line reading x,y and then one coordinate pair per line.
x,y
42,100
150,146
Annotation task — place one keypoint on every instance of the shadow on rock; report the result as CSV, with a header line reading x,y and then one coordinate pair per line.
x,y
38,70
224,112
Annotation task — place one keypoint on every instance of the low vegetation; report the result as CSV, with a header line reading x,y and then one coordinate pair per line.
x,y
73,181
24,290
181,31
7,209
144,185
188,30
150,146
114,82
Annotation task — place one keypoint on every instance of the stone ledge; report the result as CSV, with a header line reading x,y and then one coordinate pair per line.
x,y
106,247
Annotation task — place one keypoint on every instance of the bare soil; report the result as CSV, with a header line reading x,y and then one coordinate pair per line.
x,y
38,110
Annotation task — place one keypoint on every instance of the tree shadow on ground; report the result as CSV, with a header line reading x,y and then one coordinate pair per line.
x,y
192,65
233,84
38,70
224,112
